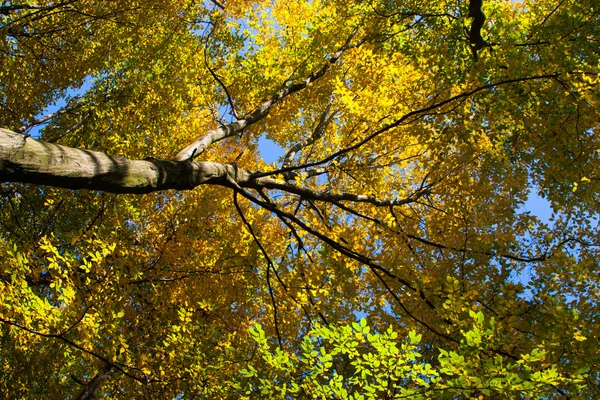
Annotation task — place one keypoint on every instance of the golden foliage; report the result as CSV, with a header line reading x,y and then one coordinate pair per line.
x,y
400,196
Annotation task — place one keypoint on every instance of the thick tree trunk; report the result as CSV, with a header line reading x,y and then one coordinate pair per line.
x,y
23,159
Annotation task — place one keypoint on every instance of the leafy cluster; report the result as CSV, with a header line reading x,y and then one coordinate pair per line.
x,y
350,362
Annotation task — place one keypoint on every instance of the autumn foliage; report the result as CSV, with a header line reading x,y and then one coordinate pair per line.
x,y
148,250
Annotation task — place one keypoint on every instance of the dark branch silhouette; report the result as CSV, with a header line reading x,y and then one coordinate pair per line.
x,y
478,16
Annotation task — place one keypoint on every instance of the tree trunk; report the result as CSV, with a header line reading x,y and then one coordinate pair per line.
x,y
26,160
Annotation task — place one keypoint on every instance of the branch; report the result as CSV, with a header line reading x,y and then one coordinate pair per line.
x,y
213,73
201,144
269,266
411,315
75,345
66,109
334,244
26,160
218,4
322,125
478,16
91,386
331,197
6,10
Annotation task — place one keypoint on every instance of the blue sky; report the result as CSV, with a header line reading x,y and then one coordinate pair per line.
x,y
269,151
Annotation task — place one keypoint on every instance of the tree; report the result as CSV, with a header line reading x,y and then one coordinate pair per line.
x,y
148,250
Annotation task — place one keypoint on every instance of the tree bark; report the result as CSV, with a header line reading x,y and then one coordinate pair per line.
x,y
89,390
26,160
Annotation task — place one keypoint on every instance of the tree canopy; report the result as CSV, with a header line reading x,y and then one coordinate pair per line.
x,y
147,250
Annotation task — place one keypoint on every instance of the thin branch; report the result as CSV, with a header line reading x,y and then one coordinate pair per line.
x,y
73,344
418,320
269,265
335,245
215,76
6,10
318,132
546,18
64,110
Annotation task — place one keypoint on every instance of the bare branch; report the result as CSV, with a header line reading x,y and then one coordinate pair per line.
x,y
324,122
64,110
